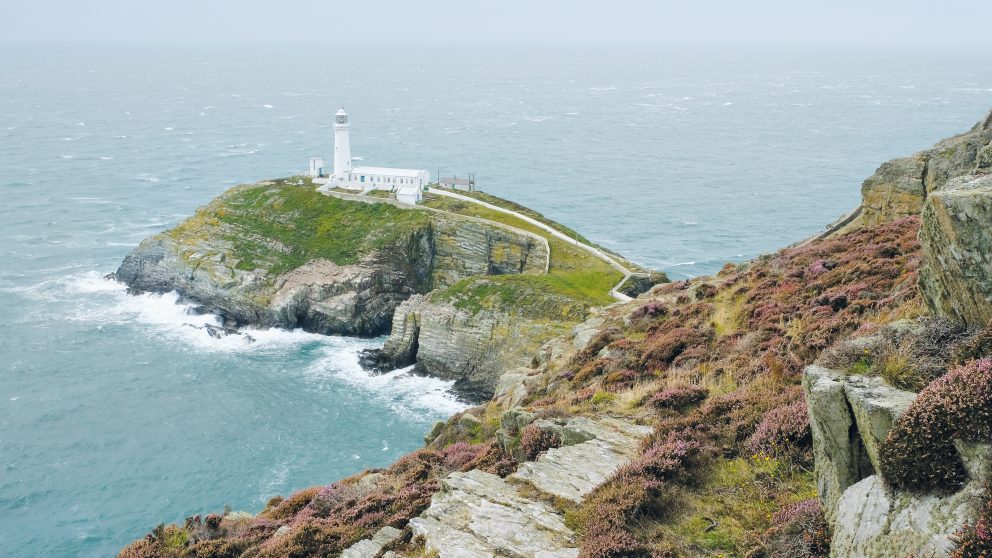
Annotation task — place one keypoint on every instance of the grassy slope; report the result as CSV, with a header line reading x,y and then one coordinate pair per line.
x,y
574,273
283,224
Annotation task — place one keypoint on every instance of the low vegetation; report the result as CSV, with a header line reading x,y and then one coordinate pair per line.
x,y
573,273
280,225
919,453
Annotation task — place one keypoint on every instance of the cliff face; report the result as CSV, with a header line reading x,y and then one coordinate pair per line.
x,y
474,345
899,187
956,279
276,254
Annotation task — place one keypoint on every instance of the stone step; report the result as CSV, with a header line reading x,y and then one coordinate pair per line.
x,y
573,471
479,515
369,548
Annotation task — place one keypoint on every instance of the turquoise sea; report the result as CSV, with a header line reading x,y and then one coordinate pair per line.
x,y
116,414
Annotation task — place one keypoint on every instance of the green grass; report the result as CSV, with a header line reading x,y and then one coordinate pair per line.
x,y
563,296
281,225
735,503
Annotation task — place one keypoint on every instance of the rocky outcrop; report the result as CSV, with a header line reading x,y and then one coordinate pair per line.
x,y
956,276
900,186
371,547
850,416
479,515
471,346
601,447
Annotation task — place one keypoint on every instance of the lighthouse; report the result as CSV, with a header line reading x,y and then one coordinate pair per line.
x,y
342,146
407,184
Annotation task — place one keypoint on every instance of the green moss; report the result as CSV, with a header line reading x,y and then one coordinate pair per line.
x,y
735,504
565,297
283,224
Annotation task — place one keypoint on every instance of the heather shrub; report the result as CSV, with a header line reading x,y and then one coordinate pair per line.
x,y
290,506
704,291
334,495
534,441
784,432
634,492
678,398
220,548
309,539
664,347
145,548
975,541
918,455
596,344
597,367
620,380
798,531
460,454
653,309
907,356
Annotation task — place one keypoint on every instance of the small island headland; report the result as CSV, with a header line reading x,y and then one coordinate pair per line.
x,y
464,290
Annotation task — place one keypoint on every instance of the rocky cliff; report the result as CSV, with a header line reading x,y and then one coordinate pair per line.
x,y
956,279
851,417
899,187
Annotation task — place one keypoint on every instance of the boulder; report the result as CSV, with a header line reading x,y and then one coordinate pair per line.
x,y
872,521
850,417
513,386
479,515
838,452
370,548
875,406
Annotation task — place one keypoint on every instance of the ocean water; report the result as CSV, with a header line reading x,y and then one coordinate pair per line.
x,y
117,413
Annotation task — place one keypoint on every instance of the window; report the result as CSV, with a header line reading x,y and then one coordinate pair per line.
x,y
363,178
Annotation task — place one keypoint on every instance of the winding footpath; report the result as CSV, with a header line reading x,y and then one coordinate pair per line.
x,y
614,292
480,515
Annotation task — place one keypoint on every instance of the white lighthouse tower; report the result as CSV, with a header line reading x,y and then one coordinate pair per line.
x,y
342,146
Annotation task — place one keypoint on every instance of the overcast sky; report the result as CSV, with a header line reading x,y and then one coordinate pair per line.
x,y
830,22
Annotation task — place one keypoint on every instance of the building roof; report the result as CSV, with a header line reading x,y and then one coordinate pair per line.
x,y
405,173
407,191
455,181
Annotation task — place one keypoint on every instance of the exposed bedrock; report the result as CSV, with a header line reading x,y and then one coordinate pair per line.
x,y
470,346
899,187
956,236
850,417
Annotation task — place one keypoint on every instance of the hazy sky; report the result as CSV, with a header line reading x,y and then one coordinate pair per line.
x,y
887,22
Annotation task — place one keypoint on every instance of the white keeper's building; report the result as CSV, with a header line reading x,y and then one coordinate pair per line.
x,y
407,183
